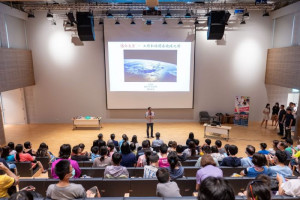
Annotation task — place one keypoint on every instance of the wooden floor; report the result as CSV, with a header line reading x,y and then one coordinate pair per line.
x,y
56,134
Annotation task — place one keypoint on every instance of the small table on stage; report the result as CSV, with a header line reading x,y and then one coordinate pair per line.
x,y
222,130
86,122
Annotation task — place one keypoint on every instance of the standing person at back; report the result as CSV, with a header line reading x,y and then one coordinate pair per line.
x,y
275,111
150,118
281,117
266,115
157,142
289,121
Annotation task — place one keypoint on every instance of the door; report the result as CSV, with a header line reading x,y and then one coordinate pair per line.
x,y
13,107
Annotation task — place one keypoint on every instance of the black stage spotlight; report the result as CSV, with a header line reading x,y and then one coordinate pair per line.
x,y
129,14
109,15
117,22
132,22
168,15
207,13
165,22
243,21
100,21
180,22
187,14
71,18
266,14
246,13
31,14
49,15
196,21
148,22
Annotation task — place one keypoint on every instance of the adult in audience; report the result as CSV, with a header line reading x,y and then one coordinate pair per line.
x,y
191,150
150,170
77,156
124,139
64,189
26,157
43,151
145,146
175,169
258,190
12,148
247,162
263,147
149,116
206,151
112,139
28,148
100,137
115,170
216,154
181,156
259,161
144,159
7,179
135,142
289,187
266,115
103,160
288,121
95,153
191,138
157,142
208,169
275,111
64,154
128,158
282,147
213,188
281,117
280,167
165,188
231,160
163,160
218,143
111,149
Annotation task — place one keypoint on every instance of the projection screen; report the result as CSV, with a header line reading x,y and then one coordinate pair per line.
x,y
149,65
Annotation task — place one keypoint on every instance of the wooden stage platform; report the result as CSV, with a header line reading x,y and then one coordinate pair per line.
x,y
56,134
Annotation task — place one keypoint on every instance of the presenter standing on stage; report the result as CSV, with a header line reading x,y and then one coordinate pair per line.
x,y
149,117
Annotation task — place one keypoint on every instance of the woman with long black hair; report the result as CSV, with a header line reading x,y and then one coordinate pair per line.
x,y
175,168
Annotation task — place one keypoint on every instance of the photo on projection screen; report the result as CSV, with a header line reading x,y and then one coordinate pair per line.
x,y
149,65
144,66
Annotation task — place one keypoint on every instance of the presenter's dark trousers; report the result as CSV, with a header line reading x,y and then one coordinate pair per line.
x,y
149,125
288,133
281,129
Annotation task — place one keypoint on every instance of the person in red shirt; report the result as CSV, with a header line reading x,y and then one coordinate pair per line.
x,y
26,157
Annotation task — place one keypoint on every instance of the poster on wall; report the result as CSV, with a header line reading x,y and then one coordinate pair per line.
x,y
241,110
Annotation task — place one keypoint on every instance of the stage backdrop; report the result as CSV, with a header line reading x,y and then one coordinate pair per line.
x,y
241,110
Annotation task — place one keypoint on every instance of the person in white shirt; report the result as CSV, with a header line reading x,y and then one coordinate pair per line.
x,y
149,117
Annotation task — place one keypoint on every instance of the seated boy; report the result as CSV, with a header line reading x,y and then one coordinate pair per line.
x,y
77,154
64,190
165,188
115,170
231,160
150,170
7,179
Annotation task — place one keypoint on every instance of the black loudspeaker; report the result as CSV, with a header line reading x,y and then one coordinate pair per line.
x,y
85,26
216,25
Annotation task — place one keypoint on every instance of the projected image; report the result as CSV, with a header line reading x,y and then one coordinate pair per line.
x,y
146,66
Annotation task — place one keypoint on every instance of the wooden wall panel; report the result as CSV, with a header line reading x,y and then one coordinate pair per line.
x,y
2,135
283,67
16,69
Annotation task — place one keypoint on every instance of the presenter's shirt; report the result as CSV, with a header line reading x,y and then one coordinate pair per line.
x,y
148,118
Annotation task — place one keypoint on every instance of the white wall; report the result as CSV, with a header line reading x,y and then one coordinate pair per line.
x,y
70,80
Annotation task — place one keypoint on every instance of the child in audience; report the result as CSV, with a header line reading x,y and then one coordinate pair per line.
x,y
175,169
247,162
115,170
64,153
226,147
12,148
44,152
112,139
124,139
81,150
163,160
103,160
172,146
274,149
263,150
258,190
213,188
64,189
133,148
218,143
259,161
111,149
280,168
135,142
208,169
28,149
289,187
197,142
145,146
215,153
289,142
180,154
231,160
157,142
207,142
206,151
165,188
128,158
95,153
7,179
150,170
77,155
144,159
191,150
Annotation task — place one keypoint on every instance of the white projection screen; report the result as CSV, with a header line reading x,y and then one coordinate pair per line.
x,y
149,65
